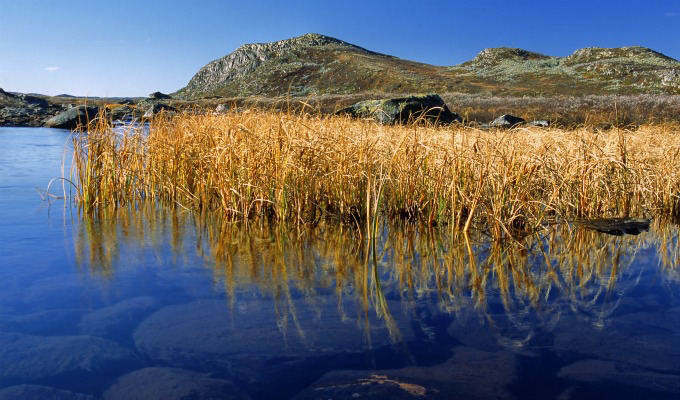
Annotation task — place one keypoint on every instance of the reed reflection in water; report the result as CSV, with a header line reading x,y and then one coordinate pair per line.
x,y
516,287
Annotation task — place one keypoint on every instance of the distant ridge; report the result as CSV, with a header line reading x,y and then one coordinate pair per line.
x,y
315,64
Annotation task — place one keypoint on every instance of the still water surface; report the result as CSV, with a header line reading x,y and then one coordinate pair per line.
x,y
156,304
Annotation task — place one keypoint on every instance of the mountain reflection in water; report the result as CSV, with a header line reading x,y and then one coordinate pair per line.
x,y
570,312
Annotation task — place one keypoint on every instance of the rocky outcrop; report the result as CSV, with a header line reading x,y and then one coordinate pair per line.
x,y
73,117
429,107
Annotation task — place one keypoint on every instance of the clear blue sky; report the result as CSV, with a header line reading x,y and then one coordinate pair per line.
x,y
131,48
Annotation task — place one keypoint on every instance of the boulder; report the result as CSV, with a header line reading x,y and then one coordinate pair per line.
x,y
540,123
171,384
127,102
222,108
36,392
403,109
73,117
158,108
122,113
506,121
159,96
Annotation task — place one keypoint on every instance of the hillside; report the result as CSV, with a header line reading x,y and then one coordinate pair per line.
x,y
313,64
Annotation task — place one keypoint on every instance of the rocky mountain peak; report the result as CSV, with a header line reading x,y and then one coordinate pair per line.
x,y
495,55
248,57
633,53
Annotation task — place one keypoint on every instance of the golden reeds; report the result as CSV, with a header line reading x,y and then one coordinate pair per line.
x,y
300,168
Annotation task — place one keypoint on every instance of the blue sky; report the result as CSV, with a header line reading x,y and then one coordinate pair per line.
x,y
131,48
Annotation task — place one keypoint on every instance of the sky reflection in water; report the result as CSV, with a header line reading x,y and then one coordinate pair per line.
x,y
154,303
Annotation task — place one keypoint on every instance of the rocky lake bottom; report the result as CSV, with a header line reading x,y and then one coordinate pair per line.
x,y
151,304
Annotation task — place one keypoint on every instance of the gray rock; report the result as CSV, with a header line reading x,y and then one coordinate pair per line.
x,y
28,358
541,123
127,102
35,392
599,371
469,374
157,109
170,384
123,113
506,121
73,117
222,108
403,109
159,96
34,101
113,320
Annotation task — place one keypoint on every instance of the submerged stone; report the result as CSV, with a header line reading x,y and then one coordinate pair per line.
x,y
255,331
116,319
28,358
171,384
620,374
430,107
469,373
36,392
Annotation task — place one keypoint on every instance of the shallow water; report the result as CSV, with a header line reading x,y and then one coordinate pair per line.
x,y
155,304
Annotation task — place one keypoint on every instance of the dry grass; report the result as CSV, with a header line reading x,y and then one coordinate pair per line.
x,y
301,168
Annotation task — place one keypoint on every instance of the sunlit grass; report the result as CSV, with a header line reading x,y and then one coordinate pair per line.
x,y
301,168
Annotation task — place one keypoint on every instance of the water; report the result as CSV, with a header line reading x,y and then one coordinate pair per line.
x,y
156,304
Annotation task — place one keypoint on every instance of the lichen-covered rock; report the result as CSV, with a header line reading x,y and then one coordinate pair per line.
x,y
171,384
73,117
506,121
430,107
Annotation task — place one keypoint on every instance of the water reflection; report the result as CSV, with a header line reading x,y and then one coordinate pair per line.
x,y
516,288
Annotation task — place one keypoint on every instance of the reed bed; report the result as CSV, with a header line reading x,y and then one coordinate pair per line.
x,y
300,168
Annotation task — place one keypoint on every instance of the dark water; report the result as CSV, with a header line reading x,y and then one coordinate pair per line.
x,y
154,304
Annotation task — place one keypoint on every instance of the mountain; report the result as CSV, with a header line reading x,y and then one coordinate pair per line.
x,y
315,64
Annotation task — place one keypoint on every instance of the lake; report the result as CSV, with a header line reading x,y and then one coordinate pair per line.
x,y
154,303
